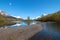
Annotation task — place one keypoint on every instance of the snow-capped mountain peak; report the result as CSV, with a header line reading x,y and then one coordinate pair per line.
x,y
3,13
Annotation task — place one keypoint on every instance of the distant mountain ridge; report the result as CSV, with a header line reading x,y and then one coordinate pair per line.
x,y
3,13
6,19
6,16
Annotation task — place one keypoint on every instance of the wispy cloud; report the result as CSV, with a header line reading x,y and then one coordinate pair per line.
x,y
45,14
16,16
38,16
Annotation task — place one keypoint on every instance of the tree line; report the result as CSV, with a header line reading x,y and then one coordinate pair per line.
x,y
55,17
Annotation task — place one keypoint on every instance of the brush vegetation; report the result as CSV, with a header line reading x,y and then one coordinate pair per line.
x,y
55,17
6,21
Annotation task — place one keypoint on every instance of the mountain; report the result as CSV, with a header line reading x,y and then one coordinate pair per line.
x,y
6,19
3,13
6,16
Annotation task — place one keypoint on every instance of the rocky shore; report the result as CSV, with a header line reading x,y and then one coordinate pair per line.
x,y
22,33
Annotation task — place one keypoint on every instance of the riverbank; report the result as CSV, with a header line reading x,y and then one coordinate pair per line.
x,y
22,33
6,23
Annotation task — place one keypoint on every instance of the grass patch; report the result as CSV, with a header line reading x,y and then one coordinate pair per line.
x,y
11,38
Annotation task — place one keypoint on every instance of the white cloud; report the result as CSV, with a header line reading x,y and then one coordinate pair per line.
x,y
45,14
17,16
38,17
0,10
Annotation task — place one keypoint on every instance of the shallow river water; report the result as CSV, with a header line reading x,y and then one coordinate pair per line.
x,y
51,31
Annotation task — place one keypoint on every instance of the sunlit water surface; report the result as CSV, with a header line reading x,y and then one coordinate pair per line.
x,y
51,31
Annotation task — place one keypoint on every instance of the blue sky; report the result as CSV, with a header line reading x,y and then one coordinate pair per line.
x,y
32,8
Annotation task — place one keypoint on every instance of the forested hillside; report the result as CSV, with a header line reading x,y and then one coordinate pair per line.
x,y
55,17
6,19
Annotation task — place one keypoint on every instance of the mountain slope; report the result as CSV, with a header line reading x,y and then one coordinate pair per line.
x,y
55,17
6,19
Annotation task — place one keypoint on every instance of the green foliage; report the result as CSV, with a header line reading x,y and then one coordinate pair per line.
x,y
55,17
5,21
11,38
28,20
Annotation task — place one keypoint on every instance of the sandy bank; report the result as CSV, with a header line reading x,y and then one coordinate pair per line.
x,y
22,33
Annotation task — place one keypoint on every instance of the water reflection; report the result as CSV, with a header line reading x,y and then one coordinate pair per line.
x,y
21,24
18,25
53,26
51,31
